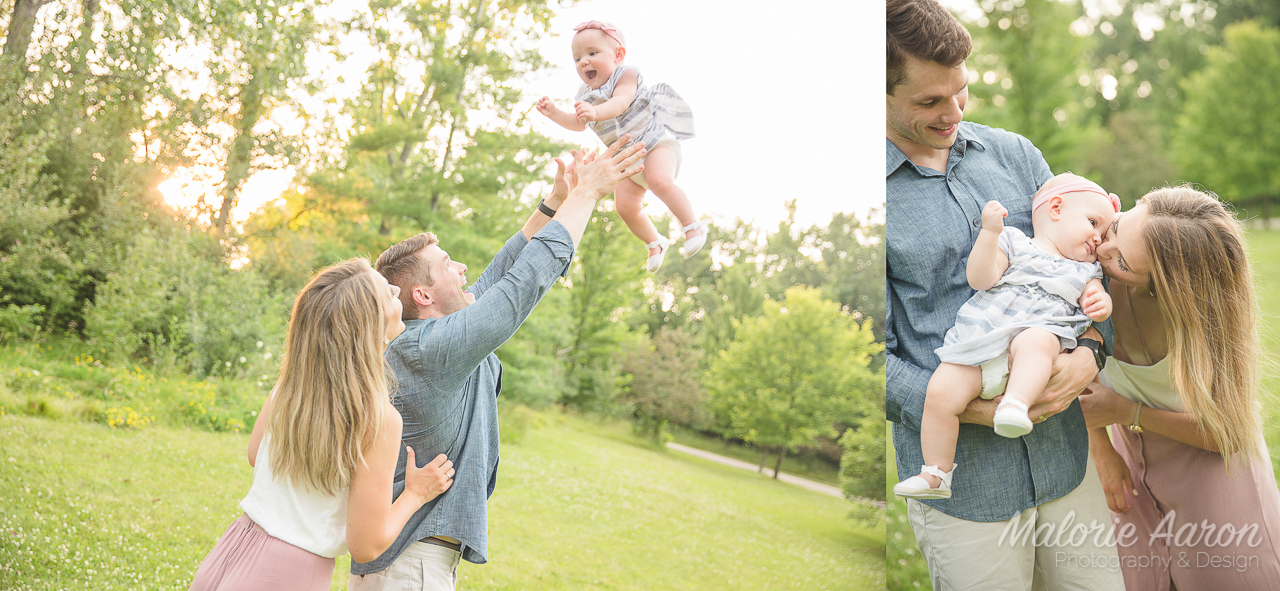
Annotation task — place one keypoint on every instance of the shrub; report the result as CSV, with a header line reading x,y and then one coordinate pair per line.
x,y
19,322
171,303
514,421
862,465
665,385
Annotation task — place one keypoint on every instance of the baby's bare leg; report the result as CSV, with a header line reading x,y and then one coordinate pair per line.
x,y
1031,356
629,199
951,388
660,174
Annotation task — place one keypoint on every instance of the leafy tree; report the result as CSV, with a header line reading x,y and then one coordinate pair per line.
x,y
439,65
795,371
853,260
604,288
1227,141
1129,133
664,386
1027,66
262,47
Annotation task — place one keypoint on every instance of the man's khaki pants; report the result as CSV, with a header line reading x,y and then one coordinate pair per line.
x,y
1074,549
422,567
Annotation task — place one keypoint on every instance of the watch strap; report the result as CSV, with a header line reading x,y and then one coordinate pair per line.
x,y
542,206
1099,355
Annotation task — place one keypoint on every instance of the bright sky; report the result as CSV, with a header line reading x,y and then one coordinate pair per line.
x,y
779,93
772,88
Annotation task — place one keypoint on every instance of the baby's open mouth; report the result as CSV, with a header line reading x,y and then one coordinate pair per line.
x,y
591,74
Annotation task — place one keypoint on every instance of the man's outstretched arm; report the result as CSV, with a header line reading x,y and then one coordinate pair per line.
x,y
463,339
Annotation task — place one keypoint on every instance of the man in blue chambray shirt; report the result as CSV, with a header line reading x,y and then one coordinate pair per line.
x,y
940,172
449,377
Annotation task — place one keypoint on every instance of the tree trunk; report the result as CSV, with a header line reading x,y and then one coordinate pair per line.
x,y
82,45
21,24
776,467
239,160
763,456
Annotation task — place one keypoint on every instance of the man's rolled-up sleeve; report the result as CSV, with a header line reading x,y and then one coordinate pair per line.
x,y
905,383
905,388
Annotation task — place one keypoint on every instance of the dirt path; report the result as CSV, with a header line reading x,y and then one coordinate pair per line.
x,y
719,459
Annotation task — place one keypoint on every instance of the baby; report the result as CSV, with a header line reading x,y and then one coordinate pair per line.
x,y
613,101
1035,297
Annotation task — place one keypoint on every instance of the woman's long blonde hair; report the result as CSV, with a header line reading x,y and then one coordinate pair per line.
x,y
330,400
1201,275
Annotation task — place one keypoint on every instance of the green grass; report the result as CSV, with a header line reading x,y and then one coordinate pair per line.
x,y
1264,250
578,506
905,568
86,506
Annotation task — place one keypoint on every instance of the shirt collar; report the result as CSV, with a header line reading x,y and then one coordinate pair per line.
x,y
894,157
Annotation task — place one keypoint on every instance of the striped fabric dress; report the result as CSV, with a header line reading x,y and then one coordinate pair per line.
x,y
657,113
1037,290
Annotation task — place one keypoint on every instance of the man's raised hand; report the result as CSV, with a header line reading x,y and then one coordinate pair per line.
x,y
599,176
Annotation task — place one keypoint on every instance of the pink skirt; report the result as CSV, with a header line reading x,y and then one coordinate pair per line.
x,y
1192,527
247,558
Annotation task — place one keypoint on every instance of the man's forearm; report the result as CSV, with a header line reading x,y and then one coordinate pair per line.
x,y
538,220
979,412
575,212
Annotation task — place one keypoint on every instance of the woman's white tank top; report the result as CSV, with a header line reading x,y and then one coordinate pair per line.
x,y
308,519
1148,385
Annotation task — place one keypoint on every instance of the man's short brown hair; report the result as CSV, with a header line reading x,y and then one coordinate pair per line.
x,y
404,266
924,30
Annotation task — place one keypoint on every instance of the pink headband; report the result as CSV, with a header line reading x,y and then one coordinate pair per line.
x,y
1074,186
607,28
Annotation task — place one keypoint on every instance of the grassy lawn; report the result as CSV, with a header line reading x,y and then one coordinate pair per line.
x,y
578,506
906,570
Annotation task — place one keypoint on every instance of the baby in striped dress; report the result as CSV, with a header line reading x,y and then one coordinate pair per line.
x,y
1035,297
613,100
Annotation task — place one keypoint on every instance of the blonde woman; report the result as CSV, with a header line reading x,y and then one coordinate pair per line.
x,y
324,447
1186,472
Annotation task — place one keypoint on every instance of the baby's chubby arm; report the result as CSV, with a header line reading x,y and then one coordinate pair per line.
x,y
987,263
1095,301
623,93
566,119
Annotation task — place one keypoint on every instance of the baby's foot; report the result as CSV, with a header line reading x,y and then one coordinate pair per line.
x,y
931,483
695,235
1011,419
657,252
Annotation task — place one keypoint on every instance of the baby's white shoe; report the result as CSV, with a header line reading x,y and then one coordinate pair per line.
x,y
693,245
655,261
1011,419
918,488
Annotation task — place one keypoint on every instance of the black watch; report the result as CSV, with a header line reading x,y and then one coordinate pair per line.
x,y
1099,356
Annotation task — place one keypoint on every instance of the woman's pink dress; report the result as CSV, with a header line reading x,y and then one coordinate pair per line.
x,y
1192,527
